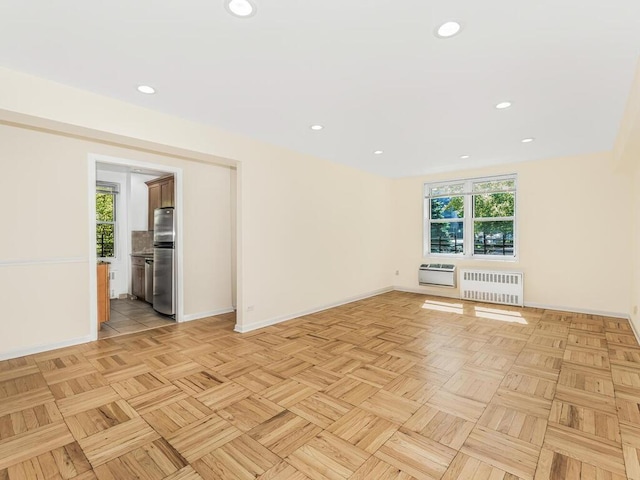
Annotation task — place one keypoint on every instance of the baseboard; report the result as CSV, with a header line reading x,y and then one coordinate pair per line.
x,y
44,347
443,293
212,313
284,318
526,304
588,311
626,316
634,329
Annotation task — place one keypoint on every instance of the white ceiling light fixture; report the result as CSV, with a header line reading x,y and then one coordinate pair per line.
x,y
146,89
527,140
316,127
240,8
464,157
448,29
503,105
378,152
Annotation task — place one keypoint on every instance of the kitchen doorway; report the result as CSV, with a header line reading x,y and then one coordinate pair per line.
x,y
122,196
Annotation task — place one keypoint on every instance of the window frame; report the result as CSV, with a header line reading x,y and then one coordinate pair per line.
x,y
113,189
469,219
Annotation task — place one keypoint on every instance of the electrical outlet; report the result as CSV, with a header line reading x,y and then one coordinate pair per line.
x,y
397,272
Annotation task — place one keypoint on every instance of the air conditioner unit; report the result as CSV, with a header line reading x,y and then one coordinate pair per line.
x,y
440,274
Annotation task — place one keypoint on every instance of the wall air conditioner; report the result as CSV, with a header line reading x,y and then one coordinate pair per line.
x,y
439,274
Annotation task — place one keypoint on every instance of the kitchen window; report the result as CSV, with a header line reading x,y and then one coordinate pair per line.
x,y
106,219
471,218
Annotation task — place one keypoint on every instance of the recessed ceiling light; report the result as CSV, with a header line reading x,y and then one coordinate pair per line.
x,y
448,29
146,89
527,140
316,127
464,157
240,8
503,105
378,152
137,170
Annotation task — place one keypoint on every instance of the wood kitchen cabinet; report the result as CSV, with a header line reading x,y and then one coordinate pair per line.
x,y
161,195
104,301
137,277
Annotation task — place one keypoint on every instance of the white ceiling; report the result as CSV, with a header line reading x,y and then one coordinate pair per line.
x,y
370,71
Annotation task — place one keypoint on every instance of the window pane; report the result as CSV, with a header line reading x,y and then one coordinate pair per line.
x,y
447,237
447,189
493,238
508,185
447,207
105,207
494,205
105,240
107,187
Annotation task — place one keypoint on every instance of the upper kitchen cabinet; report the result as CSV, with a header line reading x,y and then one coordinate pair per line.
x,y
160,195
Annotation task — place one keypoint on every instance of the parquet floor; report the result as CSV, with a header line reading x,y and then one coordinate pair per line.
x,y
398,386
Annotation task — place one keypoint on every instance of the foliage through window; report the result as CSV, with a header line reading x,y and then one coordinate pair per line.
x,y
473,217
106,219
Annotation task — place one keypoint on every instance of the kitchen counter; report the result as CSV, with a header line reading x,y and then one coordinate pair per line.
x,y
143,254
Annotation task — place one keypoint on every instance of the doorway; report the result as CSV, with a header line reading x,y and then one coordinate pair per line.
x,y
122,238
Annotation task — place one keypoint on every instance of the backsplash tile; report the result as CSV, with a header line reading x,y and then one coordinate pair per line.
x,y
142,241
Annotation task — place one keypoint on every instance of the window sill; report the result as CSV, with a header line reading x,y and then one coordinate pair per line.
x,y
479,258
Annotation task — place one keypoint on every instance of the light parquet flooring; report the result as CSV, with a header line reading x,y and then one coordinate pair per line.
x,y
395,387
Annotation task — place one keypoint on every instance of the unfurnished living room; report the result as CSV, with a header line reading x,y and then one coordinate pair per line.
x,y
292,240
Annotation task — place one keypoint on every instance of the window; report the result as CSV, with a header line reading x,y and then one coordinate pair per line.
x,y
106,219
471,218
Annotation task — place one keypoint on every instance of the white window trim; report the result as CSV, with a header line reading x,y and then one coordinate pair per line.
x,y
467,221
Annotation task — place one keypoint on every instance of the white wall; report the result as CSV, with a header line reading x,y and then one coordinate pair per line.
x,y
44,254
573,228
626,159
233,185
207,239
139,204
314,233
311,233
340,255
634,305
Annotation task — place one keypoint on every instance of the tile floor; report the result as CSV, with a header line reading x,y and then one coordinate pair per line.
x,y
130,316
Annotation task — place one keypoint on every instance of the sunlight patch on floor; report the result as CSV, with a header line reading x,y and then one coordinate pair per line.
x,y
444,307
512,316
501,315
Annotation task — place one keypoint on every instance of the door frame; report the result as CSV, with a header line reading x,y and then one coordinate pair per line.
x,y
93,160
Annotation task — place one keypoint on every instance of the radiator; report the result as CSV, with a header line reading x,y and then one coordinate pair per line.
x,y
493,287
112,282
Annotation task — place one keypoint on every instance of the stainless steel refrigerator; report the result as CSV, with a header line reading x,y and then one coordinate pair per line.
x,y
164,242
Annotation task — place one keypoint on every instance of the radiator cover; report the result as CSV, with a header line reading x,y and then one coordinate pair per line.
x,y
502,287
